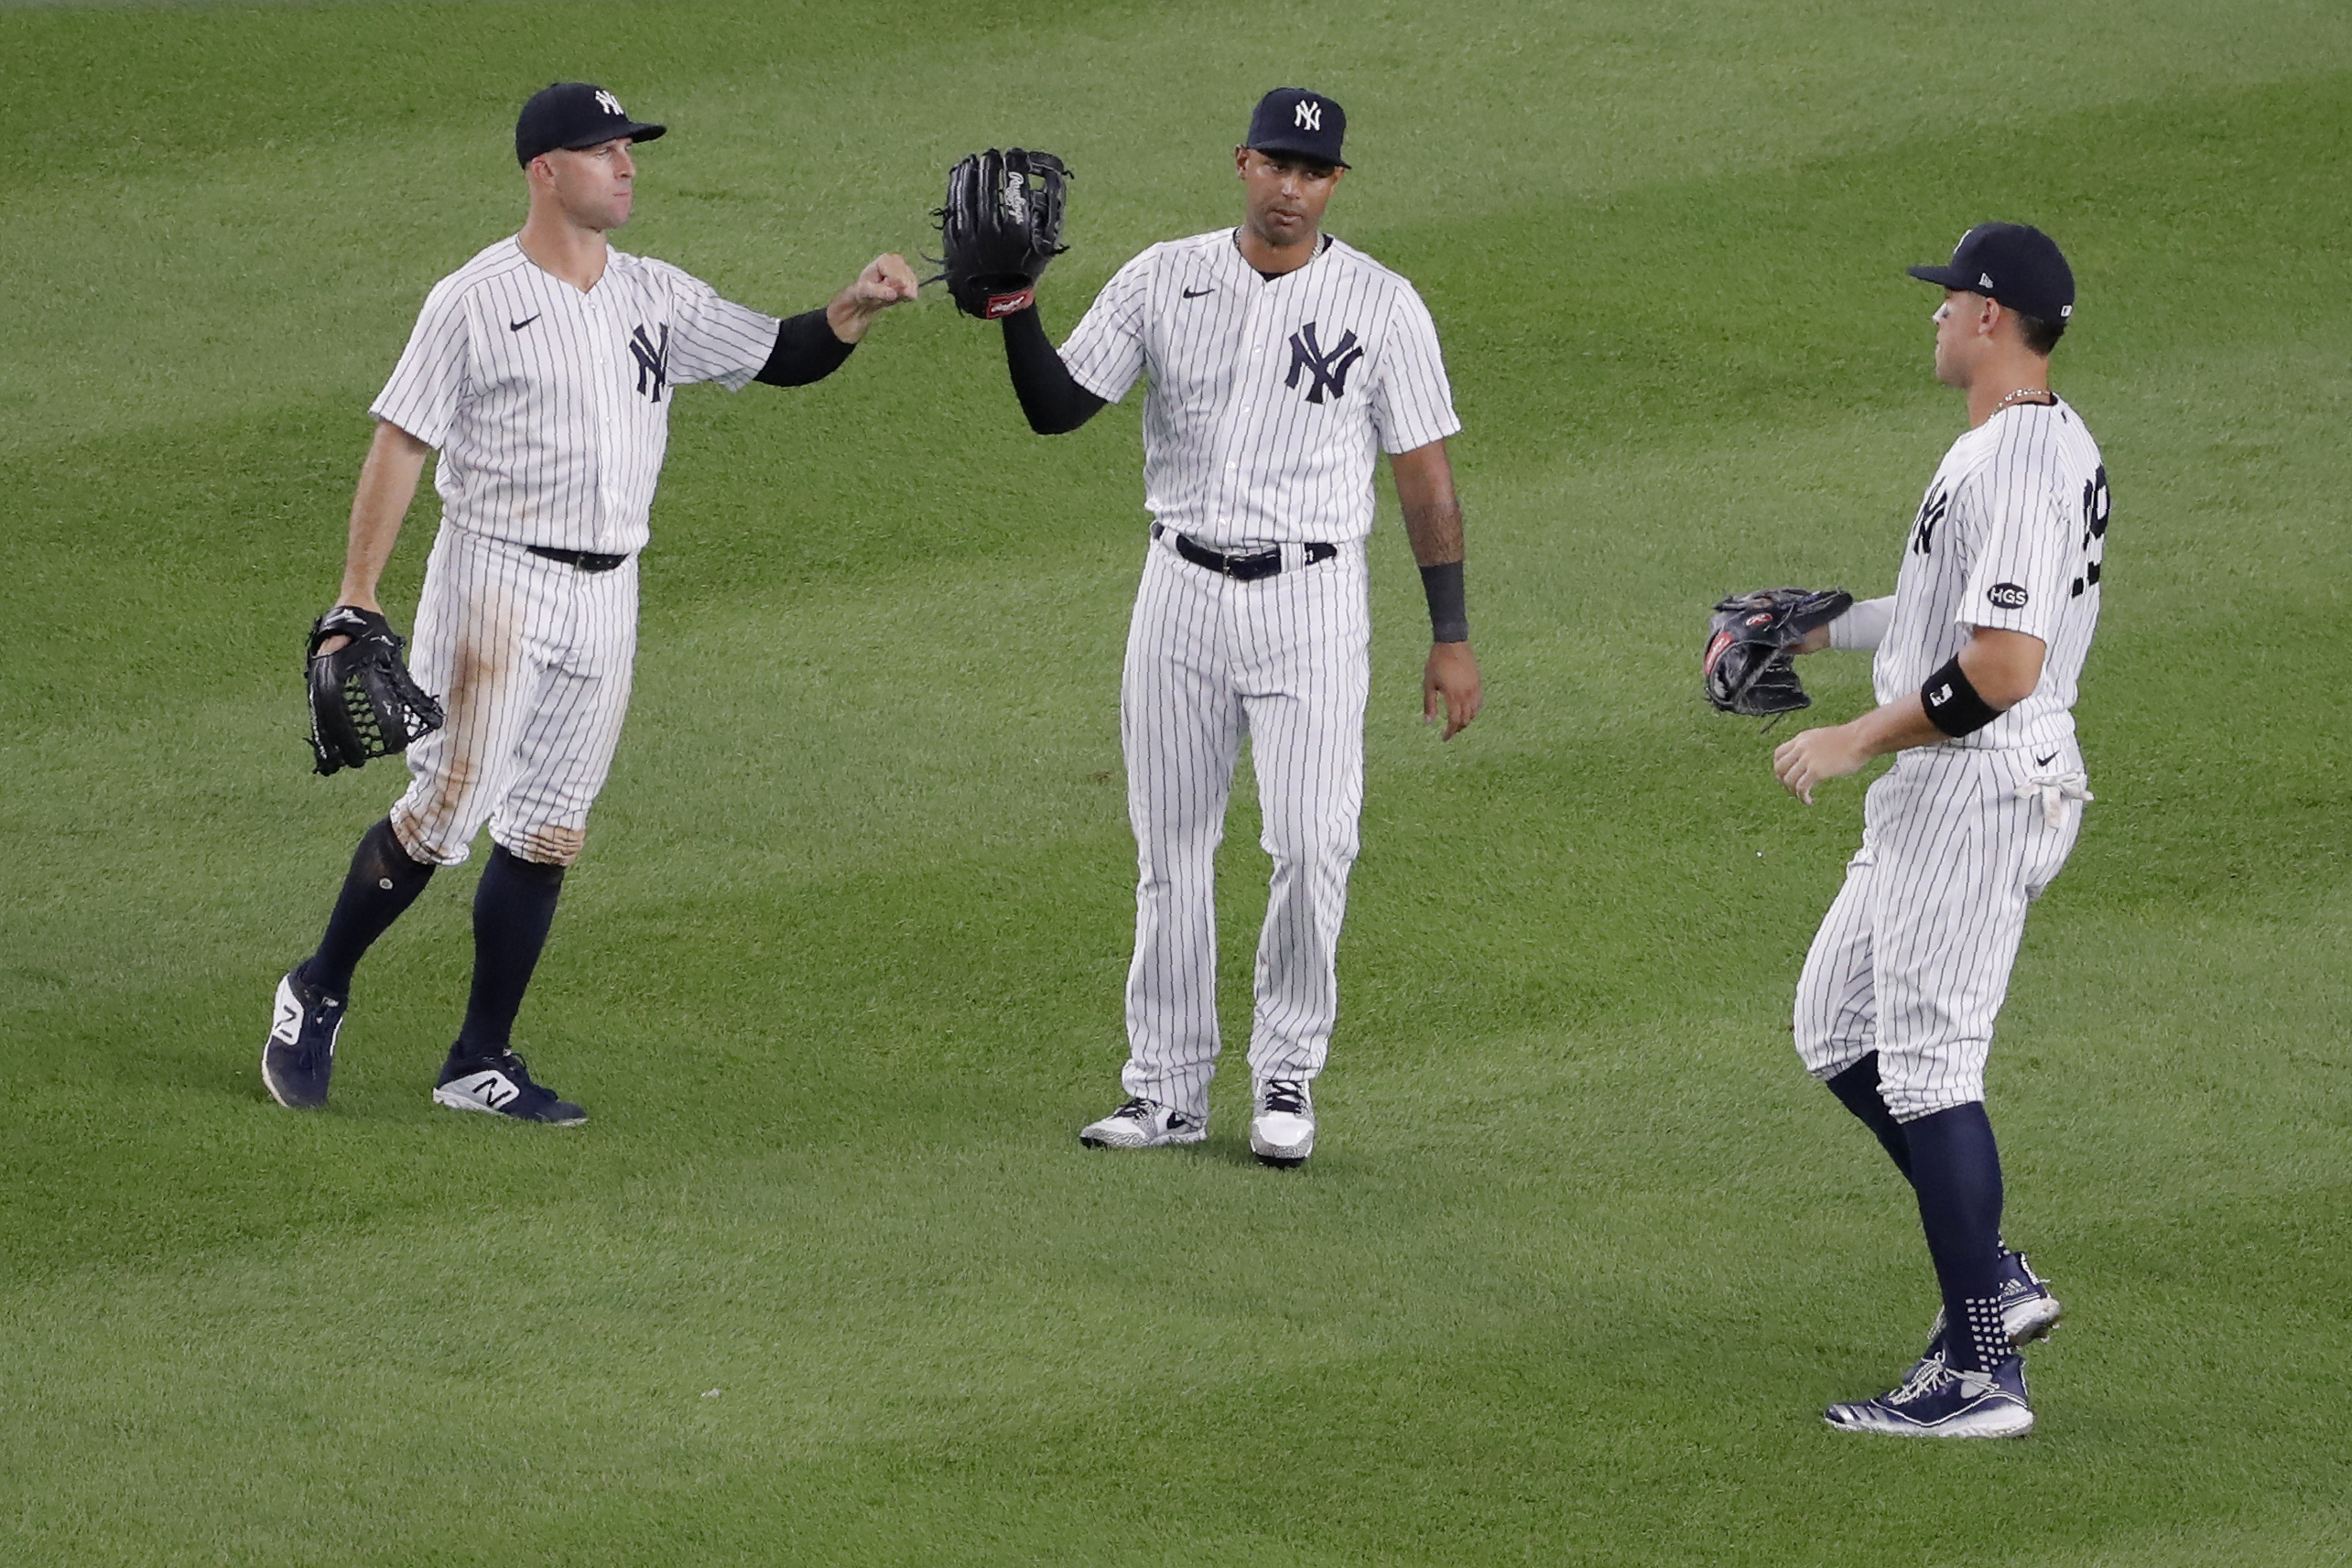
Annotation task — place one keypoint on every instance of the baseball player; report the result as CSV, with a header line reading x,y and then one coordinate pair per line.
x,y
1979,651
1279,358
542,372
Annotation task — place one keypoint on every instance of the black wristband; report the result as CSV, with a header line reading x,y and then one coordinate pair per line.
x,y
1450,618
1952,703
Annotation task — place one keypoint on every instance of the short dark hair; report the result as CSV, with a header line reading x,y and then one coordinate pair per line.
x,y
2039,336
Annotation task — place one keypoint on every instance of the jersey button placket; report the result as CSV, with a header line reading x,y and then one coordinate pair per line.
x,y
607,416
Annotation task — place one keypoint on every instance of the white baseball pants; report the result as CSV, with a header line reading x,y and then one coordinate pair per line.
x,y
1913,960
532,660
1285,660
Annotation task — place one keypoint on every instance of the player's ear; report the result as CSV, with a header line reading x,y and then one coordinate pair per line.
x,y
1241,162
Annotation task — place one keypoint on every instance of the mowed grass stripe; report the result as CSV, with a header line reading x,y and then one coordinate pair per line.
x,y
1583,1253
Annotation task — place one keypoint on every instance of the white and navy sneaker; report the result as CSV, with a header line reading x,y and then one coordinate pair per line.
x,y
1281,1131
1141,1124
299,1057
500,1085
2028,1311
1937,1401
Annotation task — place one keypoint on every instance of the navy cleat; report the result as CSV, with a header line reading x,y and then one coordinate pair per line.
x,y
298,1057
1937,1401
500,1084
2028,1311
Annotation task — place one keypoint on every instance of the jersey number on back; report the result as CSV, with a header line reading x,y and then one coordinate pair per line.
x,y
2097,503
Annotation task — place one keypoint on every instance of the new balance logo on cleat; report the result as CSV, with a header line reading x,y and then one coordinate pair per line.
x,y
500,1085
297,1057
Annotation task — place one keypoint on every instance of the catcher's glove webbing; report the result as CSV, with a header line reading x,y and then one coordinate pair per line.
x,y
363,703
1750,663
1001,224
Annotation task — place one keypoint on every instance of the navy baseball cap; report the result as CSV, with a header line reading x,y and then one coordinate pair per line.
x,y
575,115
1305,124
2015,264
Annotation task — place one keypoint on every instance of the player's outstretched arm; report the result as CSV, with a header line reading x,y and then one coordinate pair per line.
x,y
1996,671
1451,689
387,483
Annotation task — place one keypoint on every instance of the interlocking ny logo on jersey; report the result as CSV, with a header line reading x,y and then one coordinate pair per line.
x,y
1331,369
653,361
1931,513
1308,115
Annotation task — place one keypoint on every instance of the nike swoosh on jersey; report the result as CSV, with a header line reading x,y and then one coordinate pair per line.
x,y
1196,292
2044,762
518,326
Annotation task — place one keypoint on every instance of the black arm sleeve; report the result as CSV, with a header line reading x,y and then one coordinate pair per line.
x,y
1055,403
806,350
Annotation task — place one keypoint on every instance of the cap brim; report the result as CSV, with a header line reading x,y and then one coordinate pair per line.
x,y
1944,275
628,130
1289,150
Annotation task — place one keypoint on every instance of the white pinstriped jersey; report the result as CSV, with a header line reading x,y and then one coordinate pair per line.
x,y
1268,399
550,406
2012,536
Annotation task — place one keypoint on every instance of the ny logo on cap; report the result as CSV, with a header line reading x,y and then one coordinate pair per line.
x,y
610,104
1308,115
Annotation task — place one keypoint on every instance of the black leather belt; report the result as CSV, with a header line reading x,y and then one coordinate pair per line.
x,y
586,560
1241,568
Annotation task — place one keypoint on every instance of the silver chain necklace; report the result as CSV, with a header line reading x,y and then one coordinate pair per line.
x,y
2025,391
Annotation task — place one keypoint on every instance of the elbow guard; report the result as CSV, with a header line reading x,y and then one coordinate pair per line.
x,y
1952,702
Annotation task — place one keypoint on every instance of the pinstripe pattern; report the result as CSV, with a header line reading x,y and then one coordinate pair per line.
x,y
1268,405
1285,661
1238,449
2018,503
534,660
553,433
550,408
1914,958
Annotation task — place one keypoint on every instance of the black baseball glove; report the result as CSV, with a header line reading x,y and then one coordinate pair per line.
x,y
363,702
1750,663
1001,224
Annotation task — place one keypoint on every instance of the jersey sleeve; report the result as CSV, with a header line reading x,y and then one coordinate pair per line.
x,y
1412,403
435,374
1106,353
2026,554
715,339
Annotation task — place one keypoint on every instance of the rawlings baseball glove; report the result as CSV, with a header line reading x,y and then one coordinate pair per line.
x,y
1750,663
363,702
1002,225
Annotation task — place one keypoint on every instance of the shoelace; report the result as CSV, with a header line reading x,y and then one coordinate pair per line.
x,y
1286,1096
2054,791
1137,1108
1931,1374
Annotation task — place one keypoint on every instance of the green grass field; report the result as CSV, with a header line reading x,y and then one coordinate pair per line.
x,y
828,1280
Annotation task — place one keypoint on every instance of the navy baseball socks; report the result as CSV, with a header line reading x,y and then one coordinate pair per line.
x,y
297,1058
1971,1382
513,905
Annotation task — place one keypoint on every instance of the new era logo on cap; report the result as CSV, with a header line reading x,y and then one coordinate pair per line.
x,y
2034,277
